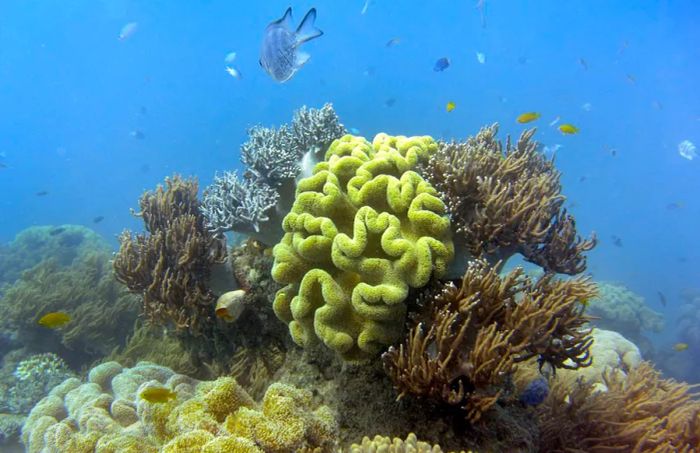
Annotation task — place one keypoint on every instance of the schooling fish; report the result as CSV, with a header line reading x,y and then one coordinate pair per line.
x,y
450,106
441,64
42,193
54,320
157,395
128,30
393,42
98,219
617,241
527,117
280,56
56,231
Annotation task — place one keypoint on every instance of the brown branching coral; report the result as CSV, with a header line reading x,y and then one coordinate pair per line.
x,y
507,200
170,264
465,350
640,412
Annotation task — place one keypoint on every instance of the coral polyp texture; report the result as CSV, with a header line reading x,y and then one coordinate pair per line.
x,y
387,445
639,412
169,266
107,414
363,230
256,202
507,200
464,348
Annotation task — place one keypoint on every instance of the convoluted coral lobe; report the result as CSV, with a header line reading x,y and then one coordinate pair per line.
x,y
106,415
387,445
507,200
466,348
364,228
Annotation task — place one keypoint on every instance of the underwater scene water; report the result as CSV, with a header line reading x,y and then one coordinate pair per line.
x,y
357,226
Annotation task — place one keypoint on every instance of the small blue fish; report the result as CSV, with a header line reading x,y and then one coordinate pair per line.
x,y
280,56
442,64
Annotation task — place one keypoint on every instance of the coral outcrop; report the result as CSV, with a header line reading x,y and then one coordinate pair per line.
x,y
505,200
169,266
101,311
638,412
106,414
255,203
364,228
618,308
62,243
465,346
388,445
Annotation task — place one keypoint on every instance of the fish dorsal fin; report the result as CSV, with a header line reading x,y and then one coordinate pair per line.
x,y
286,20
306,30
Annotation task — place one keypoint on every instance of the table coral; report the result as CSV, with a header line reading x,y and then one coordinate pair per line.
x,y
364,228
505,200
106,415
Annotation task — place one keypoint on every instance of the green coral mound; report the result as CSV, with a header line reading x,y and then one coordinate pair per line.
x,y
364,228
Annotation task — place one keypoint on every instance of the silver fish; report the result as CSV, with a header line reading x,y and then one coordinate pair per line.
x,y
280,55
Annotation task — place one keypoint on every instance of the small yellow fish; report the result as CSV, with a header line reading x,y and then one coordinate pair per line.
x,y
157,395
568,129
527,117
54,320
450,106
680,347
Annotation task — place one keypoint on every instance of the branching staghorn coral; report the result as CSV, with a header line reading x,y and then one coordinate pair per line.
x,y
255,203
640,412
472,337
507,200
169,265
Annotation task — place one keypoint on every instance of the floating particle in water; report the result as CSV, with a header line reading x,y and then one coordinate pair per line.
x,y
481,57
587,107
128,31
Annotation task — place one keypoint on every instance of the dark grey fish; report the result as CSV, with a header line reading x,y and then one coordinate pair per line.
x,y
617,241
56,231
98,219
662,298
441,64
280,56
42,193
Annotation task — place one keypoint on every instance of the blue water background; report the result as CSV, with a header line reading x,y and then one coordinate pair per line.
x,y
71,93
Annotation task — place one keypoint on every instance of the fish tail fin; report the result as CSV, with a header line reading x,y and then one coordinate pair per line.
x,y
306,30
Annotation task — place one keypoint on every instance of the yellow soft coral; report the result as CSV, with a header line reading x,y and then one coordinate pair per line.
x,y
206,417
364,229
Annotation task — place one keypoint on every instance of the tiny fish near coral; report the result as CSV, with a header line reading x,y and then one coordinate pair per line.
x,y
157,395
54,320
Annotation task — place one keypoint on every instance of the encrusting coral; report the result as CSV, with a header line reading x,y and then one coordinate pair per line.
x,y
465,346
364,228
106,414
170,265
380,444
639,412
255,203
101,311
506,200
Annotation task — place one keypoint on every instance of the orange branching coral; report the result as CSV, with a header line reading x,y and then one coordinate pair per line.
x,y
473,336
638,413
170,264
507,201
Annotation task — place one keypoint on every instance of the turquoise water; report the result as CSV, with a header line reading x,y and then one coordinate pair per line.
x,y
89,121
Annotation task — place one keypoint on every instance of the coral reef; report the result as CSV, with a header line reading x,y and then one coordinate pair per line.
x,y
101,311
256,202
63,243
619,309
106,414
395,445
506,200
170,265
363,229
466,349
639,412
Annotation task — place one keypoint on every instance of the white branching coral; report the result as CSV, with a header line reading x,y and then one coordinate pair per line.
x,y
272,157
